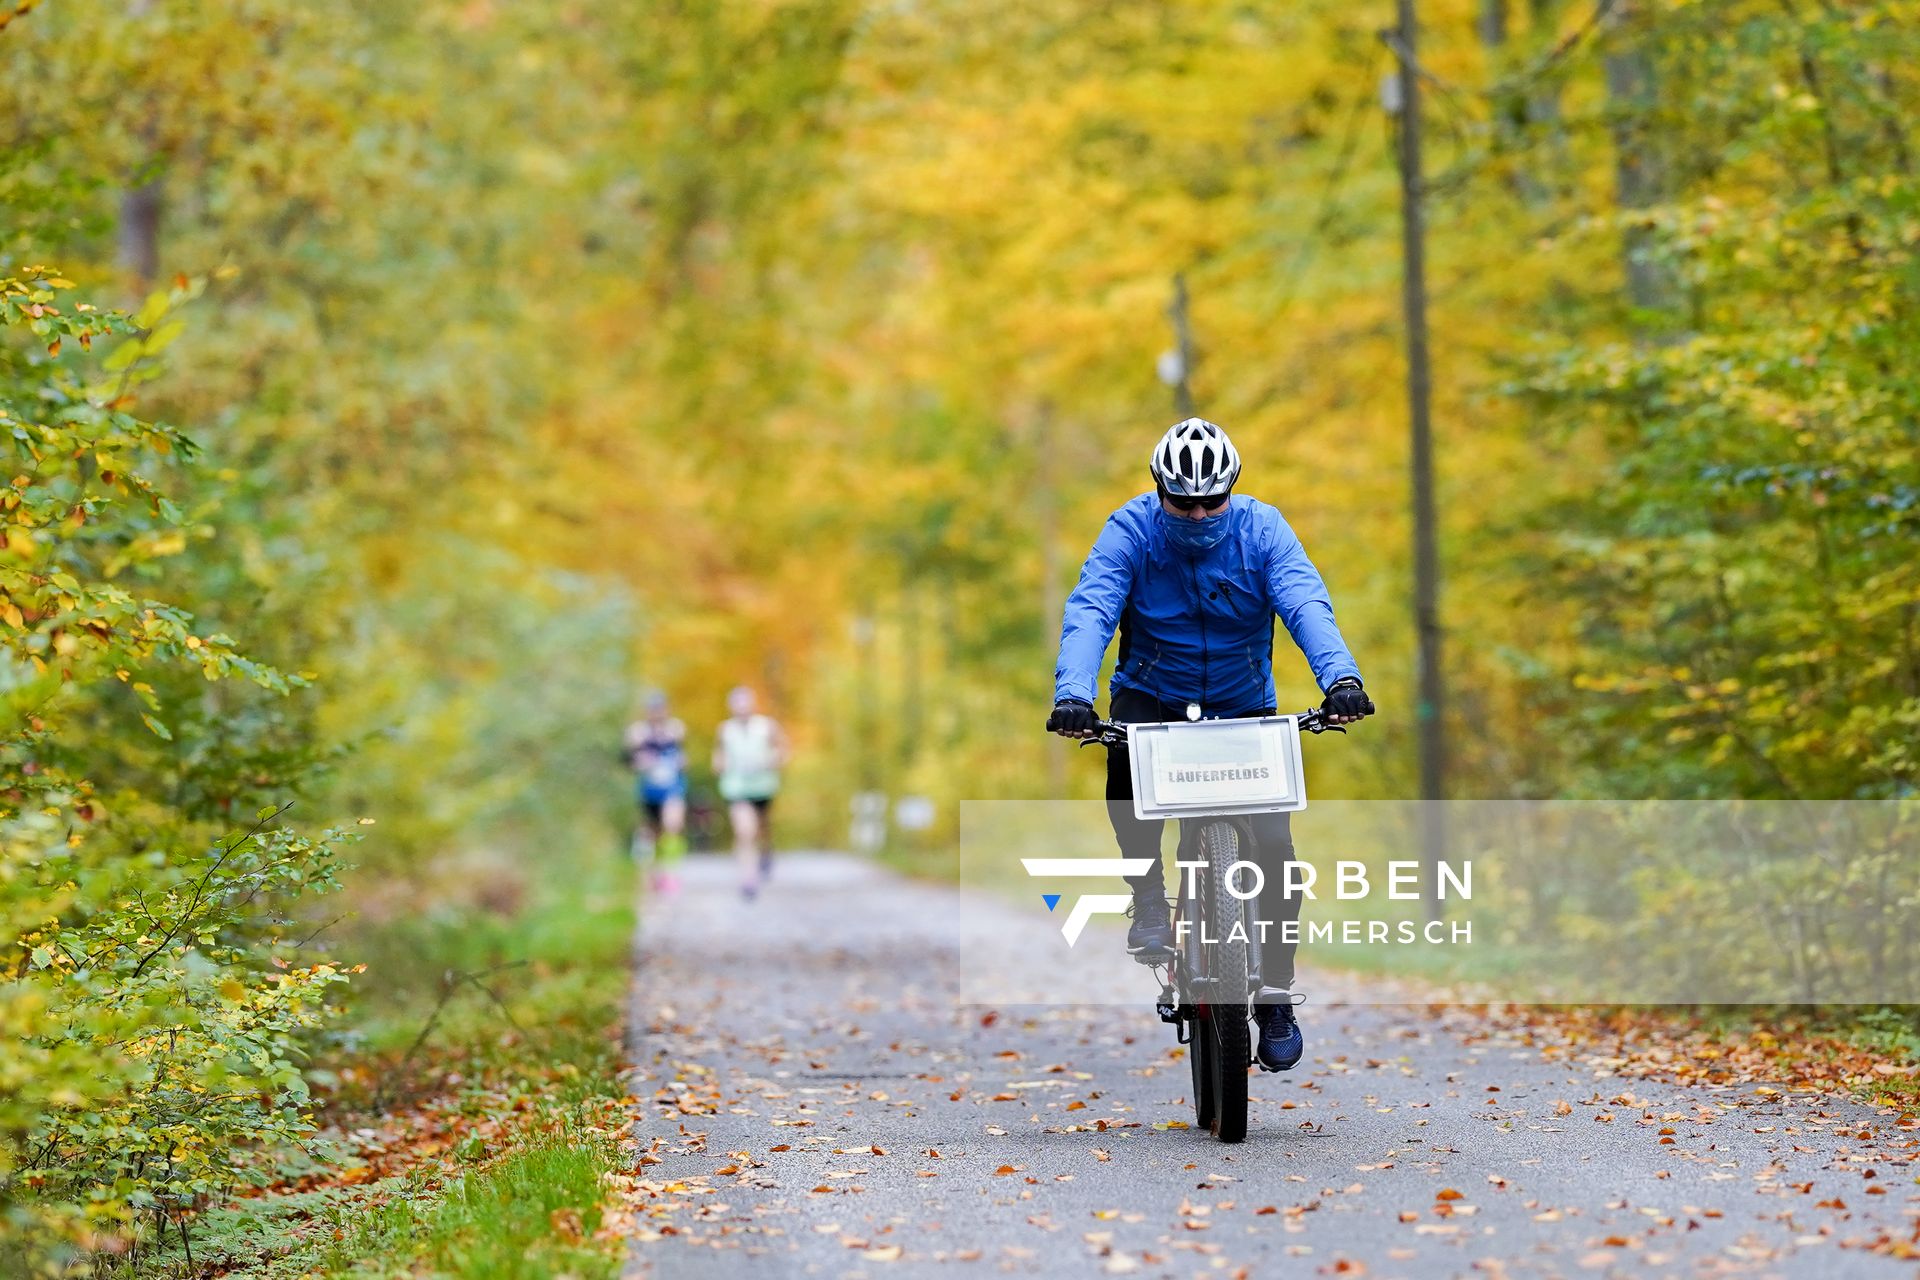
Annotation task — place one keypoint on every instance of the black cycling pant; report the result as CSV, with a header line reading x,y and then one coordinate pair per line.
x,y
1140,838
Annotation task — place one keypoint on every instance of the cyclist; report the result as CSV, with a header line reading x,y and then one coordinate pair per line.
x,y
657,754
1193,576
748,754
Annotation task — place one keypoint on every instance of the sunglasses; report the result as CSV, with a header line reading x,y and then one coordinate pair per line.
x,y
1180,503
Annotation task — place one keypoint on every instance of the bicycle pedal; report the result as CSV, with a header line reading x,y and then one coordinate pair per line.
x,y
1149,956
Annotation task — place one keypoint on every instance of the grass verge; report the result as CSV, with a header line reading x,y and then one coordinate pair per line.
x,y
473,1105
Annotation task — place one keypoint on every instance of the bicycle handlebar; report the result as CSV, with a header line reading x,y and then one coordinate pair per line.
x,y
1109,733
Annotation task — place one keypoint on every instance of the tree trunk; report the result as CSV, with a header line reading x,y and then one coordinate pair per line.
x,y
1541,111
140,205
1493,23
1640,178
140,233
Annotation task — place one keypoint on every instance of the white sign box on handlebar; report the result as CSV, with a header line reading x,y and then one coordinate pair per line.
x,y
1183,769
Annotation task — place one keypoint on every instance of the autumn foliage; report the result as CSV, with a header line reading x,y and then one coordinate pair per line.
x,y
425,379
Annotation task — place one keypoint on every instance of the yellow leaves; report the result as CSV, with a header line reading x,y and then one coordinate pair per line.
x,y
20,9
156,306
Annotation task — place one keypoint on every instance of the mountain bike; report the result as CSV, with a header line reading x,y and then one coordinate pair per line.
x,y
1208,983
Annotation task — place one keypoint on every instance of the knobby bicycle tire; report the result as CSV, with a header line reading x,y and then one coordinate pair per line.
x,y
1231,1046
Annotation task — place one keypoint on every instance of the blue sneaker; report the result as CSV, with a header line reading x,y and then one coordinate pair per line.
x,y
1150,936
1281,1043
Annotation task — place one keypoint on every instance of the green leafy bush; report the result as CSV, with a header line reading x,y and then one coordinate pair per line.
x,y
153,989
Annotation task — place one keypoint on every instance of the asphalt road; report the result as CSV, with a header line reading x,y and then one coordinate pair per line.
x,y
815,1098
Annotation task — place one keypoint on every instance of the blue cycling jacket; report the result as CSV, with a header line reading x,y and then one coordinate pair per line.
x,y
1197,628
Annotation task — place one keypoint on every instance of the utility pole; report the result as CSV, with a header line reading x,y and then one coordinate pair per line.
x,y
1052,603
1176,366
1404,101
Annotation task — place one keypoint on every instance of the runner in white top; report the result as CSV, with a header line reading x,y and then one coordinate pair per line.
x,y
748,754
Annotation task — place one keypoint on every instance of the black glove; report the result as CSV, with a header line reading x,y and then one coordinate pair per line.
x,y
1071,716
1347,701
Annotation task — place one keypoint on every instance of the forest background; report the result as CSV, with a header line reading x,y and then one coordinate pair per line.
x,y
397,390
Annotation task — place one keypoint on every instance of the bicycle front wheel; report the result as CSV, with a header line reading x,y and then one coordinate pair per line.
x,y
1200,1062
1223,1020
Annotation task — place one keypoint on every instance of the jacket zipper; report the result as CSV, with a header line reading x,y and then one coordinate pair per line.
x,y
1200,609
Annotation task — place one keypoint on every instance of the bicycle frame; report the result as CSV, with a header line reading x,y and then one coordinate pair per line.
x,y
1213,1023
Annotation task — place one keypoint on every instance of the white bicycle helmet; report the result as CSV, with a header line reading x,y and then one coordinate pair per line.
x,y
1195,460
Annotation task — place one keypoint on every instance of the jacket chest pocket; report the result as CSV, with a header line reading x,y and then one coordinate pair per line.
x,y
1230,600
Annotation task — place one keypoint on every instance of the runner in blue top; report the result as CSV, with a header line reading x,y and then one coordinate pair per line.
x,y
1193,576
656,750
